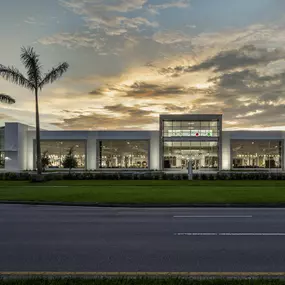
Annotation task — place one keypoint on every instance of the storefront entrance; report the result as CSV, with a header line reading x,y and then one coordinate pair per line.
x,y
204,155
195,137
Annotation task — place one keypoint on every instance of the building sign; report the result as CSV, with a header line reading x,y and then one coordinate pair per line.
x,y
191,133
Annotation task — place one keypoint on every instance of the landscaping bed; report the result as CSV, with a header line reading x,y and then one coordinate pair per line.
x,y
142,175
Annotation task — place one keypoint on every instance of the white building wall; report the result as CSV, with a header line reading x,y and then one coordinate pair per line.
x,y
31,136
15,146
154,150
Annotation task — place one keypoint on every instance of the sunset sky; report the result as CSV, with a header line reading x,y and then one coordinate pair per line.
x,y
131,60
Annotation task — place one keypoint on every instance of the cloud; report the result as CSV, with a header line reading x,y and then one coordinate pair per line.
x,y
107,27
154,91
119,117
173,4
75,40
246,56
238,72
248,79
171,37
31,20
80,6
104,14
129,111
115,31
176,109
95,92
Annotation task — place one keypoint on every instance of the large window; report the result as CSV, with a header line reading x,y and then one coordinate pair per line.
x,y
57,150
256,153
190,128
204,154
123,154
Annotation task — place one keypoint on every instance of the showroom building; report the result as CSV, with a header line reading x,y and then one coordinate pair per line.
x,y
179,139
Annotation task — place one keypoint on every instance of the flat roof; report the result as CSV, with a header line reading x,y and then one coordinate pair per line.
x,y
202,117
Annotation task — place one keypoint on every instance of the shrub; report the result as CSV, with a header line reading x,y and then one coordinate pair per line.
x,y
45,160
69,160
148,175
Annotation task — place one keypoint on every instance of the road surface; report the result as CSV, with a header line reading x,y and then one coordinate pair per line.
x,y
66,239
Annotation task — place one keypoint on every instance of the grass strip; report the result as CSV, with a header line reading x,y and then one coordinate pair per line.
x,y
146,191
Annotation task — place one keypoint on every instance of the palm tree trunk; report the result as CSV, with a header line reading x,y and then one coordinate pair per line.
x,y
38,139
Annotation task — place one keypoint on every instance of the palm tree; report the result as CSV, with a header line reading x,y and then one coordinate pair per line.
x,y
4,98
35,81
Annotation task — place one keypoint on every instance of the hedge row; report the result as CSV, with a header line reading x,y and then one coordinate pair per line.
x,y
24,176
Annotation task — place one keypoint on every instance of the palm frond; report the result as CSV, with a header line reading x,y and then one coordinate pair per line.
x,y
13,75
32,63
54,74
4,98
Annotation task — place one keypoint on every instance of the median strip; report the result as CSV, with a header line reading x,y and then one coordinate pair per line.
x,y
206,217
229,234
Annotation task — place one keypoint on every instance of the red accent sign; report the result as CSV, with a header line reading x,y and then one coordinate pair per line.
x,y
197,134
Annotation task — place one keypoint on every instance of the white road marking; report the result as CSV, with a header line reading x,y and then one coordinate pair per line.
x,y
229,234
222,216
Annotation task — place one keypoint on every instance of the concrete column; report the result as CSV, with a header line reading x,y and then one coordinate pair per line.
x,y
154,155
15,146
91,153
226,151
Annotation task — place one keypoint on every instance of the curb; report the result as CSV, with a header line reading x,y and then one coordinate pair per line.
x,y
147,205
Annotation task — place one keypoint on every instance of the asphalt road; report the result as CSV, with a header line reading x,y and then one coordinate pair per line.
x,y
55,238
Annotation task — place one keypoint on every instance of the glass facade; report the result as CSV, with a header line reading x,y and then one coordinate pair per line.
x,y
190,128
256,153
123,154
204,154
56,151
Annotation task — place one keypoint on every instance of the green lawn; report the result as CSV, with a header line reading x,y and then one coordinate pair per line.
x,y
140,281
146,191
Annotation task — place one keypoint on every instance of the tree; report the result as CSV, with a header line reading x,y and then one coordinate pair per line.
x,y
4,98
45,160
35,81
69,160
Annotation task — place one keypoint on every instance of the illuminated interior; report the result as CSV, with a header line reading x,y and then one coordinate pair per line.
x,y
123,154
56,151
185,140
204,155
190,128
256,153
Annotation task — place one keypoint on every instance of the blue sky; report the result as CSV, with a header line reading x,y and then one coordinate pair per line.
x,y
131,60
